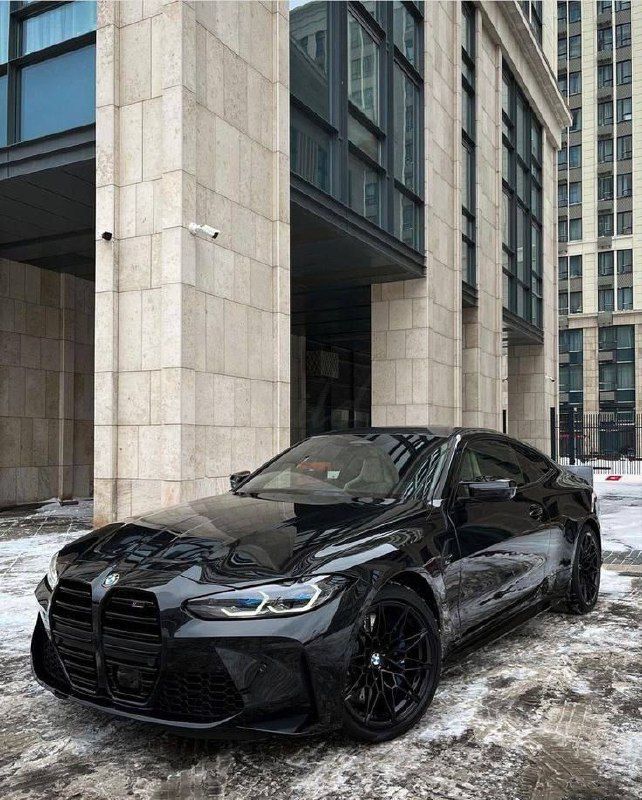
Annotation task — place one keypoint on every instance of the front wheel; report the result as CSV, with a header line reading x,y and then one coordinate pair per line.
x,y
394,670
585,574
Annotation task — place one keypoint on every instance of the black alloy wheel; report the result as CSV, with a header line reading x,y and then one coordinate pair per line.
x,y
394,670
585,577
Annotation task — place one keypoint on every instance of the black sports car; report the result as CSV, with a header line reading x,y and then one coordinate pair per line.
x,y
324,590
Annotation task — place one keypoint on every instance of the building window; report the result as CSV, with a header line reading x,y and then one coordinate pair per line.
x,y
47,76
625,223
605,113
562,194
575,266
623,72
562,268
617,374
364,150
562,303
575,302
575,193
604,6
605,264
561,11
576,124
574,11
562,156
575,156
574,230
605,187
622,5
571,368
575,46
574,83
624,262
604,39
625,184
562,230
604,75
624,147
623,35
468,202
625,298
605,223
562,44
562,83
624,109
605,300
521,205
604,150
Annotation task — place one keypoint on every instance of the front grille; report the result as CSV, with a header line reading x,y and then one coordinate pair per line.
x,y
208,695
72,634
131,637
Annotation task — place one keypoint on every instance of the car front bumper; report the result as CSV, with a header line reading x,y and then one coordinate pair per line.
x,y
227,679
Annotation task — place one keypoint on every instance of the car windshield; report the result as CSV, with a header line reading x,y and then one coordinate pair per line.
x,y
378,465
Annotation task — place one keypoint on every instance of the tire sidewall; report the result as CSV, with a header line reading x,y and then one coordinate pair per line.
x,y
398,592
579,606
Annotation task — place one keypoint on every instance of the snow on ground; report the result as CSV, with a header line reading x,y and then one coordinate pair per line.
x,y
550,712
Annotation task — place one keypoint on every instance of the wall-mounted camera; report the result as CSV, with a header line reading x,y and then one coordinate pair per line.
x,y
206,231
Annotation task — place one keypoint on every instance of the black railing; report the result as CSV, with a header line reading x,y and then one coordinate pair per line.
x,y
609,441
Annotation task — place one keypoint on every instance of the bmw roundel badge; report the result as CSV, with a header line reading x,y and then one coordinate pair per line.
x,y
111,580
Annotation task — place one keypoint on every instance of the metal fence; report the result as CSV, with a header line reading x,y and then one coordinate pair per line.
x,y
608,441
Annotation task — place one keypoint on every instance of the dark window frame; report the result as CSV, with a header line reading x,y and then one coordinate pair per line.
x,y
381,28
12,68
468,140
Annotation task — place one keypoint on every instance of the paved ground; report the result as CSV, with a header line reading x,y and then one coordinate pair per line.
x,y
553,711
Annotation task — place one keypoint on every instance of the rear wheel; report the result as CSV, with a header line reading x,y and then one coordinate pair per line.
x,y
585,575
394,670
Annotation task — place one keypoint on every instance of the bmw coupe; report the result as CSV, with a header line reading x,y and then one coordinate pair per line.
x,y
324,590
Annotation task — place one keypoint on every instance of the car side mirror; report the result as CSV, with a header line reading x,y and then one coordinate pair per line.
x,y
237,478
488,490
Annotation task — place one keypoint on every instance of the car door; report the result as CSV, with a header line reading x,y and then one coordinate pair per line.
x,y
503,543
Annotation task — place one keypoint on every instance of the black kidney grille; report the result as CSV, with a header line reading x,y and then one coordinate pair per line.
x,y
71,627
206,696
131,638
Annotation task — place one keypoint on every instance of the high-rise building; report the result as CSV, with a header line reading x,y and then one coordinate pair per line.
x,y
600,232
382,176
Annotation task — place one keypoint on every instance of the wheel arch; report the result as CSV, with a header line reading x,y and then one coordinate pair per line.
x,y
417,583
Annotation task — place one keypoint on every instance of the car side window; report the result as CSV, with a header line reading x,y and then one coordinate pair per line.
x,y
534,465
493,460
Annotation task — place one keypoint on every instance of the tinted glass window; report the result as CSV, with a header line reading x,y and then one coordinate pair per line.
x,y
491,460
534,464
377,465
58,25
58,94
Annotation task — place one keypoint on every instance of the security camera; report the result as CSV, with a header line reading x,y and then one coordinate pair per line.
x,y
203,230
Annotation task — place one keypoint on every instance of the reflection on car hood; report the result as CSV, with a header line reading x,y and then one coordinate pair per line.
x,y
237,540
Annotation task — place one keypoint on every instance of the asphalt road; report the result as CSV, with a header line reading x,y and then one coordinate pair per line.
x,y
552,711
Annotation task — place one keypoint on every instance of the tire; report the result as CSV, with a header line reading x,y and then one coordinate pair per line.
x,y
584,586
395,666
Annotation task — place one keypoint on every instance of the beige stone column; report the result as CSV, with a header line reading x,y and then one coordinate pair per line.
x,y
192,369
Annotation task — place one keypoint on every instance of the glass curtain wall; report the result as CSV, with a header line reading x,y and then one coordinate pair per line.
x,y
522,205
47,68
356,85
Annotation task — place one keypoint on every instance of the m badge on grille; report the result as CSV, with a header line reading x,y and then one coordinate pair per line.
x,y
111,580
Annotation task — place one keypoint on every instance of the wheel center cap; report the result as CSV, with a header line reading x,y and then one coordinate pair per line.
x,y
375,660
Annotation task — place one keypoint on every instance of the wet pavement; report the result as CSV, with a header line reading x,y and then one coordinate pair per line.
x,y
553,711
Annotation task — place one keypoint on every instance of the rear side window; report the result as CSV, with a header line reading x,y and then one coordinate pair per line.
x,y
534,465
491,460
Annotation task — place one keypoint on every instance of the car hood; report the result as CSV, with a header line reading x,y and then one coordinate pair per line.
x,y
234,540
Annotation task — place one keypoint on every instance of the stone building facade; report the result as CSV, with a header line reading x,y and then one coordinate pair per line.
x,y
337,293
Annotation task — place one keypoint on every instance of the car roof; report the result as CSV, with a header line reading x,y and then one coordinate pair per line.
x,y
442,431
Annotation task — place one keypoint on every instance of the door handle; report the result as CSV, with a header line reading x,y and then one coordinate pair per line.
x,y
536,512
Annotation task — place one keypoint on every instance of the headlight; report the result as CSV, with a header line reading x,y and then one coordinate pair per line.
x,y
269,600
52,572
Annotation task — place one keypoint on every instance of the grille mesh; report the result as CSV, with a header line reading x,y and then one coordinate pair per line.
x,y
72,633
